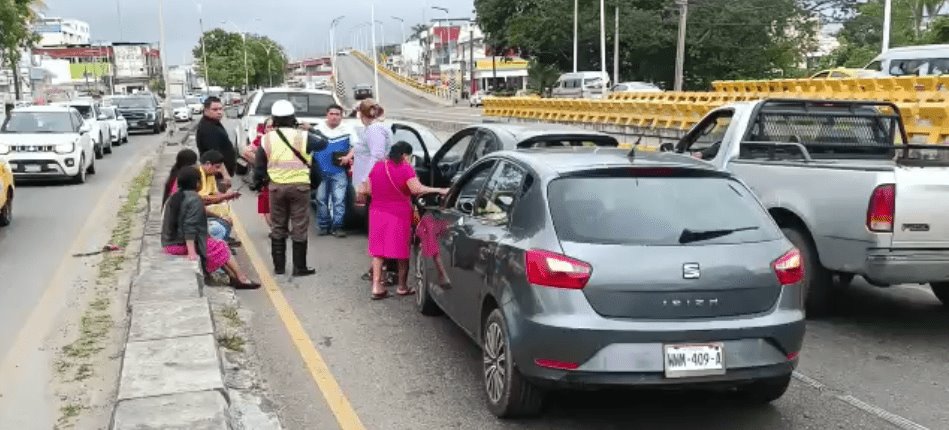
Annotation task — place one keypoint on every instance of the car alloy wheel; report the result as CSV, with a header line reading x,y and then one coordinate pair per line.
x,y
495,362
423,299
80,177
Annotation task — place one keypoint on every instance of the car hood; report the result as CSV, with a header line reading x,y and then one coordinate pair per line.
x,y
37,138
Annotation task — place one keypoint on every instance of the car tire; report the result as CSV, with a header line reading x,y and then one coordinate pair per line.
x,y
516,396
941,290
107,149
92,167
818,282
99,153
6,212
157,129
423,300
126,138
80,177
765,391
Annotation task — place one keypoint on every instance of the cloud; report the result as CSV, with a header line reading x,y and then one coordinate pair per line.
x,y
301,26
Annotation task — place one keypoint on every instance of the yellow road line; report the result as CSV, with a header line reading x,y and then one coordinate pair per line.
x,y
319,371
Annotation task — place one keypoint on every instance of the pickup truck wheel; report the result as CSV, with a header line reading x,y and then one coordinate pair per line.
x,y
818,282
941,290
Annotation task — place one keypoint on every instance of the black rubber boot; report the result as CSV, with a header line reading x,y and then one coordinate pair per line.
x,y
299,260
278,250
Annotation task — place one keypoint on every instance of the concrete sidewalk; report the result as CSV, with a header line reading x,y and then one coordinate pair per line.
x,y
174,371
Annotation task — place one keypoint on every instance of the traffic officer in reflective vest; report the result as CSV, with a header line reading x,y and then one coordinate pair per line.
x,y
284,160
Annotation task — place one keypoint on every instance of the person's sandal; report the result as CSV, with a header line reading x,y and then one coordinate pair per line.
x,y
405,292
379,296
244,286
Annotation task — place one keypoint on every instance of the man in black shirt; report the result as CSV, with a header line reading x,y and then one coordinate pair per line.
x,y
211,134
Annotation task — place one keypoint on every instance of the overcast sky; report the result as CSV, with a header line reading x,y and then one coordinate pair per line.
x,y
301,26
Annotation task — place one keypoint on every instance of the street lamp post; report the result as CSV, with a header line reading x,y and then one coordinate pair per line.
x,y
333,49
204,53
375,58
575,6
163,53
246,69
401,28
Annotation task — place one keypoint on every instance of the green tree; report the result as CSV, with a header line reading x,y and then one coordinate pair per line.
x,y
542,77
225,54
726,39
16,34
268,59
417,31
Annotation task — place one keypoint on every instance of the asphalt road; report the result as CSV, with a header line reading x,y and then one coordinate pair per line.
x,y
38,275
879,364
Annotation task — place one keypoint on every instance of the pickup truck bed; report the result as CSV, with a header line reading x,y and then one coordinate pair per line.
x,y
834,177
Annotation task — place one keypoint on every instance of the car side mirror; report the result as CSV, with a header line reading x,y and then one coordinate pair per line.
x,y
666,147
102,117
121,118
467,207
85,128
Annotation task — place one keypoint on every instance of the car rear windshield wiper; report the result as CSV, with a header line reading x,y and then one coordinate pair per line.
x,y
689,236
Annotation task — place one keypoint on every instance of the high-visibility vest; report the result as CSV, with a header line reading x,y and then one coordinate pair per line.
x,y
283,166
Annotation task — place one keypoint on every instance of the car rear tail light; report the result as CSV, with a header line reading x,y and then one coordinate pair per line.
x,y
554,364
789,268
549,269
882,209
793,356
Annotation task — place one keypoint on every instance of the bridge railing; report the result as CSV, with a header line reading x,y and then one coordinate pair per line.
x,y
392,74
923,103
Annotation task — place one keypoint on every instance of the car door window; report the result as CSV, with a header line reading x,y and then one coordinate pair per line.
x,y
483,144
401,134
709,132
465,192
496,201
837,75
457,151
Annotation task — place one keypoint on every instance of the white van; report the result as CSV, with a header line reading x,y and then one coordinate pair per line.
x,y
919,60
581,85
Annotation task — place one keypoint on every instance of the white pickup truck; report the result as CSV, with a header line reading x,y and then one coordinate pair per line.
x,y
843,184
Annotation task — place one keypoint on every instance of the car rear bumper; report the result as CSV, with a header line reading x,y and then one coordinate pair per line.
x,y
611,351
901,266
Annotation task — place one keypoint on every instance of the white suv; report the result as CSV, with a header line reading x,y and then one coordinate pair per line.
x,y
99,130
41,142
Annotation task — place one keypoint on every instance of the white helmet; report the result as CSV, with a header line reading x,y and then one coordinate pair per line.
x,y
282,108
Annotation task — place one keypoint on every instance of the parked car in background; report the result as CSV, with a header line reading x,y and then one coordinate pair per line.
x,y
362,91
842,181
7,191
581,85
588,268
920,60
98,123
196,104
48,142
180,110
636,87
118,126
843,72
478,98
142,112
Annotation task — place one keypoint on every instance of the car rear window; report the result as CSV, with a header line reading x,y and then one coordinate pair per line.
x,y
305,104
649,210
568,141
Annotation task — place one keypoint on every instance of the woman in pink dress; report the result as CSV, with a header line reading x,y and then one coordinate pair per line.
x,y
392,183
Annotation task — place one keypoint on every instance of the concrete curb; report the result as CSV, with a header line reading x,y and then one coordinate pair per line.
x,y
173,371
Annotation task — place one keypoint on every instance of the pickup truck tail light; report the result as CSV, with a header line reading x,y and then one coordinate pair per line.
x,y
882,209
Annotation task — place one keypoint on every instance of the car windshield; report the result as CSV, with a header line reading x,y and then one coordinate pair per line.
x,y
135,102
109,113
39,122
193,100
305,104
657,211
178,103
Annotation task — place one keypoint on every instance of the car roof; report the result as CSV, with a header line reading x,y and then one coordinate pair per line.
x,y
363,85
44,108
295,90
77,102
522,132
554,162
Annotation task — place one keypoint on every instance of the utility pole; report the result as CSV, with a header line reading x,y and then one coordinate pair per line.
x,y
887,11
680,46
575,6
204,53
616,49
375,56
603,43
471,63
118,10
163,54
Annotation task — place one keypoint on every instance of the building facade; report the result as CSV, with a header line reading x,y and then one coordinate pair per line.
x,y
61,31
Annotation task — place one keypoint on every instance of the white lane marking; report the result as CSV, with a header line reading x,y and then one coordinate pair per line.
x,y
894,419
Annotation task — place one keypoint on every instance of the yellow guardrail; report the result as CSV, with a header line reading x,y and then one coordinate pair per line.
x,y
431,89
923,103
